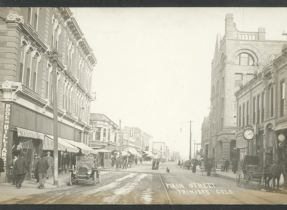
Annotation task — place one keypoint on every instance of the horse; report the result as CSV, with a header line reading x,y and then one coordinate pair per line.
x,y
273,172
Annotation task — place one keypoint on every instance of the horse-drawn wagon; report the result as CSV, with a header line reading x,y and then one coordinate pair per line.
x,y
249,170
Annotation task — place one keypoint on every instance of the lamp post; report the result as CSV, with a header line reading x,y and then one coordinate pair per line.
x,y
53,57
190,137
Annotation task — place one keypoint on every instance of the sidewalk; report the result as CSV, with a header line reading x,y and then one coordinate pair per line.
x,y
29,187
225,175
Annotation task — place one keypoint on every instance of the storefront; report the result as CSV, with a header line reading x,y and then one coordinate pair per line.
x,y
24,130
104,158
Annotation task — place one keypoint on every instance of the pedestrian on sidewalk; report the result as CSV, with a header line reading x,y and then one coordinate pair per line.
x,y
194,166
234,165
51,164
222,163
1,166
42,167
14,178
20,169
227,163
34,170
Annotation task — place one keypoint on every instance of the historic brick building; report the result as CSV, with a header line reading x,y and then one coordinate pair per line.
x,y
237,56
261,104
27,35
105,132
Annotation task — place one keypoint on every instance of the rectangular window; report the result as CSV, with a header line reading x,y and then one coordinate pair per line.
x,y
21,72
34,81
239,119
29,14
247,113
28,78
254,110
238,79
272,101
222,104
98,134
52,41
282,98
47,88
104,135
243,115
262,107
36,21
258,109
222,124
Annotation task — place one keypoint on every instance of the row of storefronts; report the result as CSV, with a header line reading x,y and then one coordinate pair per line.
x,y
261,105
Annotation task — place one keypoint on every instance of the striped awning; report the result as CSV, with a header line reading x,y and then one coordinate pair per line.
x,y
84,148
48,144
133,151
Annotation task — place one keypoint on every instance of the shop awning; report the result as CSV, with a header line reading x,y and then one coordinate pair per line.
x,y
280,127
148,153
103,150
124,153
48,144
138,155
132,151
69,147
84,148
29,134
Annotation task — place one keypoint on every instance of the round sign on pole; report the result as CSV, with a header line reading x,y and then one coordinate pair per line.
x,y
281,137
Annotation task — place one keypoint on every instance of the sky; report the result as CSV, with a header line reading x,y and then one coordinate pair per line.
x,y
154,64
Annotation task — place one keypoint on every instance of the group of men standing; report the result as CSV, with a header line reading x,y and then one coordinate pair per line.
x,y
155,164
225,165
42,169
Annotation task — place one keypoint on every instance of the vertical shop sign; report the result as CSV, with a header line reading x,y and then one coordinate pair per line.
x,y
6,123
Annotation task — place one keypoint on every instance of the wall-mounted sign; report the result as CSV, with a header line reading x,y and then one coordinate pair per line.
x,y
5,133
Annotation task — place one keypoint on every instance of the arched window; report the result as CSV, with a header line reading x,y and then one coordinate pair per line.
x,y
244,59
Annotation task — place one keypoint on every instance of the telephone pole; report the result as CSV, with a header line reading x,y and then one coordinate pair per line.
x,y
53,57
190,137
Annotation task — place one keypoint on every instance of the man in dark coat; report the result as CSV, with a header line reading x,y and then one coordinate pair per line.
x,y
227,163
234,165
42,166
153,164
194,166
34,168
20,170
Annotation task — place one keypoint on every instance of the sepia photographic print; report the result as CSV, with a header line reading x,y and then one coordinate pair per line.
x,y
143,105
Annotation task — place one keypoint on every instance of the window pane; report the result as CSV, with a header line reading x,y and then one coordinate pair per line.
x,y
237,60
29,14
28,78
251,61
244,59
21,72
35,21
34,82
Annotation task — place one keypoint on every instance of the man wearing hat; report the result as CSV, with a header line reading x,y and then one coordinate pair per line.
x,y
20,169
51,164
35,169
42,167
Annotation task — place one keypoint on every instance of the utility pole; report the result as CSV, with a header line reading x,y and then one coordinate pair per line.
x,y
53,56
190,137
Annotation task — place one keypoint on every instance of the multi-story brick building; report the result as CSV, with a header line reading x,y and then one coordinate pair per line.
x,y
237,56
261,104
105,132
27,35
146,140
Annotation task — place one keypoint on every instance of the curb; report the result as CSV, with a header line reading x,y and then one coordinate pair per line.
x,y
224,177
